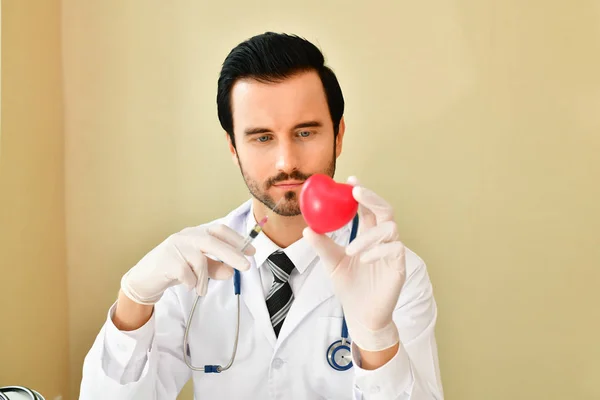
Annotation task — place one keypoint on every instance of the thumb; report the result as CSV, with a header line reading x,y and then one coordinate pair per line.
x,y
330,252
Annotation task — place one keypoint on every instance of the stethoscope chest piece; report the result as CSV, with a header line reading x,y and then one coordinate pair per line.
x,y
339,355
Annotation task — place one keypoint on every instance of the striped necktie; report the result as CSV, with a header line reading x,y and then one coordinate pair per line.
x,y
280,296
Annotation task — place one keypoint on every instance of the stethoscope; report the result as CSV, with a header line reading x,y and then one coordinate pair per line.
x,y
338,355
32,394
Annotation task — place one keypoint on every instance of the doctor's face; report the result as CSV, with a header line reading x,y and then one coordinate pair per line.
x,y
283,134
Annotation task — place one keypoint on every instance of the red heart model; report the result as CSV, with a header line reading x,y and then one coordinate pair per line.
x,y
325,204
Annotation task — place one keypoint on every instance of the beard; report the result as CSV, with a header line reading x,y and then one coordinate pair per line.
x,y
290,207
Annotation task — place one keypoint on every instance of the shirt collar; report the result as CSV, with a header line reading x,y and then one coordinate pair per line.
x,y
300,252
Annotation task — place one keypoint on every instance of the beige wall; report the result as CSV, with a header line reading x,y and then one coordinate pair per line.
x,y
33,294
479,121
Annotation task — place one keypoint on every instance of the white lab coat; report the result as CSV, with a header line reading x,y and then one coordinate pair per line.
x,y
148,363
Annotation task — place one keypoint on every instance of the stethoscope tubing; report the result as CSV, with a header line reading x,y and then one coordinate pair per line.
x,y
237,290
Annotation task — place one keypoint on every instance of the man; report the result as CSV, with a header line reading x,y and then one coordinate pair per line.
x,y
282,111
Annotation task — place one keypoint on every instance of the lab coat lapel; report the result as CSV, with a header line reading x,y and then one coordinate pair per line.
x,y
251,286
254,298
316,289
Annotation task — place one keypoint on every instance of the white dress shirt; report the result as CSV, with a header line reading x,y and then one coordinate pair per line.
x,y
148,363
300,253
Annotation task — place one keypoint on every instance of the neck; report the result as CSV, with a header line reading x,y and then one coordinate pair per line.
x,y
283,231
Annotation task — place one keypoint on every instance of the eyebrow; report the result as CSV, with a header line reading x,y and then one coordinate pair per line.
x,y
307,124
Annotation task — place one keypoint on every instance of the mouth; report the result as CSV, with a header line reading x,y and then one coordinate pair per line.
x,y
288,185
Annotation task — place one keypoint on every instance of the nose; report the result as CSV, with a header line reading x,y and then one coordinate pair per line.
x,y
287,157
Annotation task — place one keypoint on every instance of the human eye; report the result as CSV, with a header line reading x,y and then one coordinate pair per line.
x,y
304,134
263,138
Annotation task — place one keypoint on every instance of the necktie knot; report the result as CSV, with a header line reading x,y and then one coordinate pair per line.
x,y
281,266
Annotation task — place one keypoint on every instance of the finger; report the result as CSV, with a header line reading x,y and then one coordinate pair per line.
x,y
218,270
366,217
352,180
391,250
382,210
195,264
215,247
328,251
383,233
228,235
185,274
200,268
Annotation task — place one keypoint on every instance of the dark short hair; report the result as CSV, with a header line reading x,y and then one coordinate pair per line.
x,y
273,57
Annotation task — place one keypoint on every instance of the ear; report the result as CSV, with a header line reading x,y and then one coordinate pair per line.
x,y
340,138
232,150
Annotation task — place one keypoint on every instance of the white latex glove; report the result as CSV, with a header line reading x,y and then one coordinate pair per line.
x,y
181,259
369,273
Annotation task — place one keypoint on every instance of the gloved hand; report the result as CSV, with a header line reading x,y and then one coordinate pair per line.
x,y
369,273
181,259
